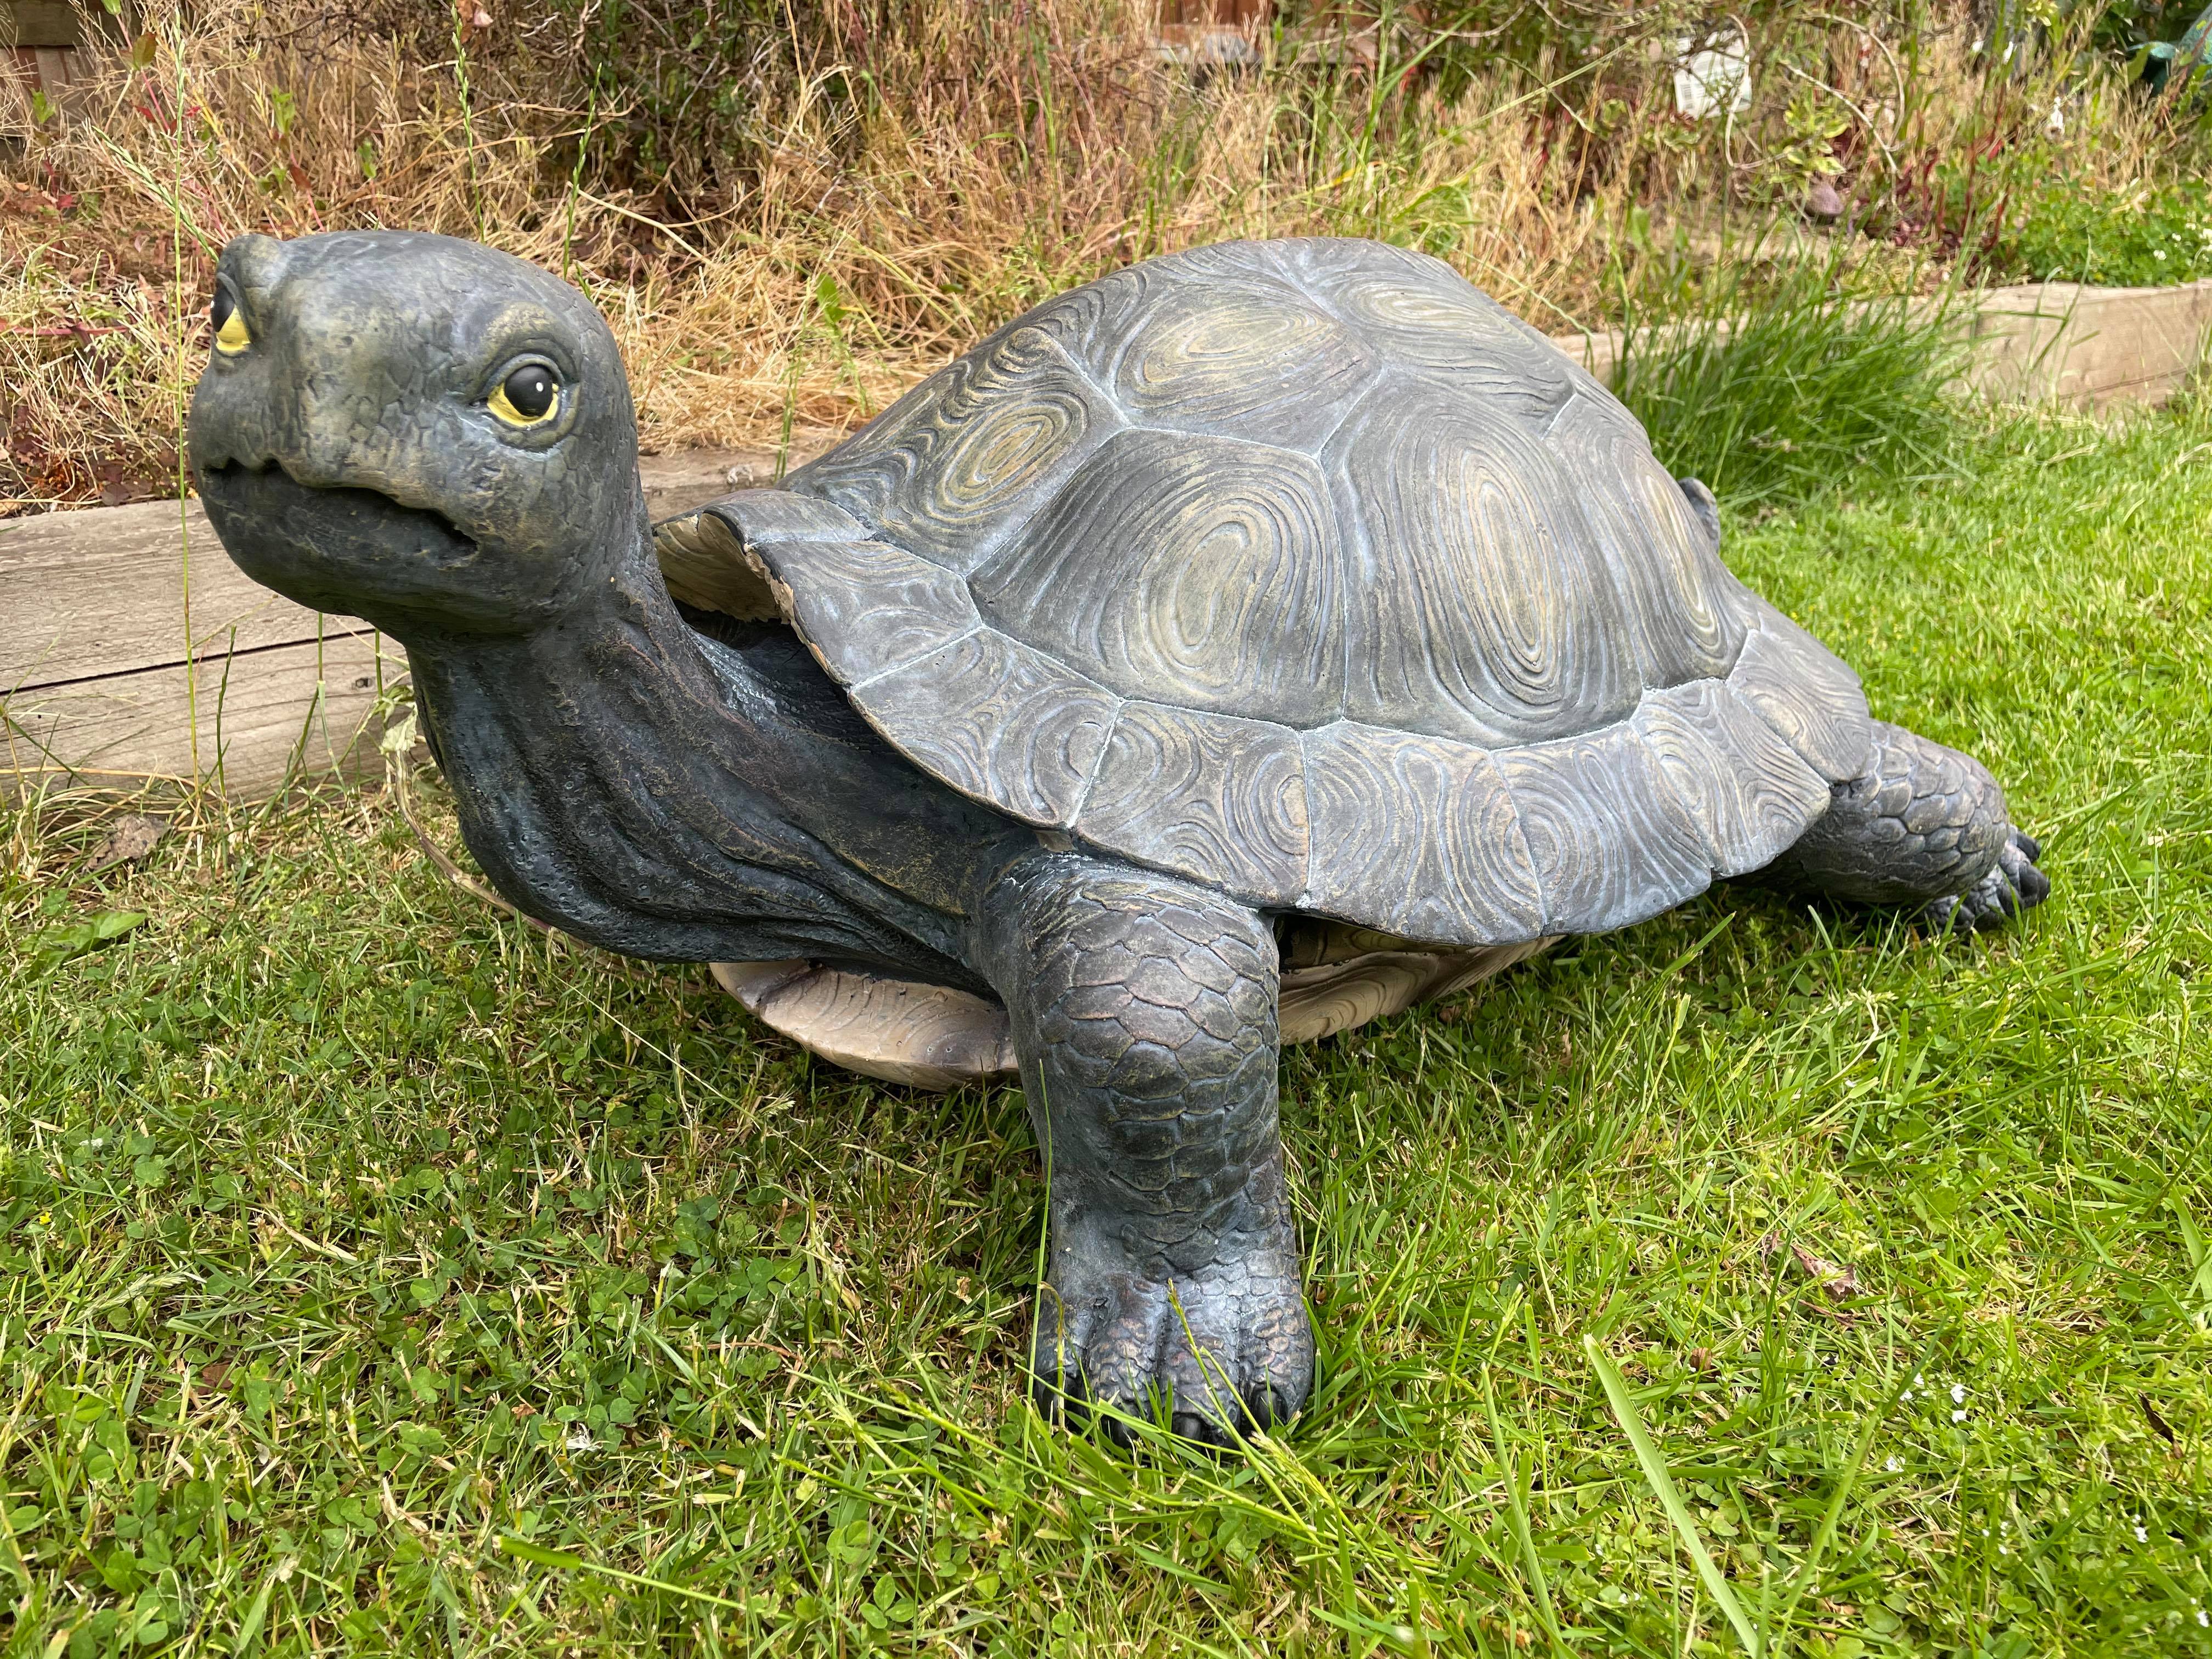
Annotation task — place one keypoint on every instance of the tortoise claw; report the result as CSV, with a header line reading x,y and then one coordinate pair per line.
x,y
2013,885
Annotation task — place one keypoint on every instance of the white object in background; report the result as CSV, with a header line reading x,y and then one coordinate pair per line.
x,y
2056,126
1714,80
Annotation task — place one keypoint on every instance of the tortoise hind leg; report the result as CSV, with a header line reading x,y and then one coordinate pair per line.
x,y
1144,1014
1926,826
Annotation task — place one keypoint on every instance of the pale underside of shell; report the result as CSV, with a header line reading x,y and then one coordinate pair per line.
x,y
1304,570
932,1037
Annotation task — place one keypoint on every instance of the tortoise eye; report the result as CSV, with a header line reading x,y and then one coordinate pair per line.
x,y
526,397
230,334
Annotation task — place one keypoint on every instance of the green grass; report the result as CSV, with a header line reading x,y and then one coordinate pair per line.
x,y
353,1227
1780,386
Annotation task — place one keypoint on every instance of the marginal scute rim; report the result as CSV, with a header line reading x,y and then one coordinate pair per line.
x,y
1304,901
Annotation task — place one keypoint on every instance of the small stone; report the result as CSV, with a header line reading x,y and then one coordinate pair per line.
x,y
128,840
1824,202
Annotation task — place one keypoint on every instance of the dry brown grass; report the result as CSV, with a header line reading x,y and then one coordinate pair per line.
x,y
996,152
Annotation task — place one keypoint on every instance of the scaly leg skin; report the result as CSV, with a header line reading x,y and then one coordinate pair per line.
x,y
1144,1012
1926,826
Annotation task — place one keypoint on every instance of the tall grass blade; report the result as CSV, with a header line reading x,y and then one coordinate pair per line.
x,y
1777,383
568,1561
1662,1486
1517,1513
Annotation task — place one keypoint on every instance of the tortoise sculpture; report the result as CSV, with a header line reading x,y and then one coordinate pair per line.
x,y
1251,642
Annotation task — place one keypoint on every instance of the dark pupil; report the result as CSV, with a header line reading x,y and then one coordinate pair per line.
x,y
220,309
531,391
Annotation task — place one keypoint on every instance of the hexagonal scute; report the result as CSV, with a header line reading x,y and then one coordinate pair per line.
x,y
1425,320
1611,843
1001,723
1201,572
1247,358
1680,600
958,465
1218,799
1748,792
1485,611
1416,835
1804,691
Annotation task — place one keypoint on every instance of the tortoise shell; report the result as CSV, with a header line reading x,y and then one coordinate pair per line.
x,y
1306,571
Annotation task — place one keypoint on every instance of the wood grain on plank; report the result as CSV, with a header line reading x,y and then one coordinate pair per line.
x,y
253,716
2098,347
103,592
41,23
98,592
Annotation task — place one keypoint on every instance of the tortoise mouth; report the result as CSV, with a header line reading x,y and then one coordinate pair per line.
x,y
268,486
342,549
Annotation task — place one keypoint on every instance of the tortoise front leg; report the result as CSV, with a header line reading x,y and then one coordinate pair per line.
x,y
1925,826
1143,1012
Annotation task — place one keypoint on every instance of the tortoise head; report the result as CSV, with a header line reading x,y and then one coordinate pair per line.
x,y
423,432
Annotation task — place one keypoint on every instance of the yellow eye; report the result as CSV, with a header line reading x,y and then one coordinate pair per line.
x,y
529,397
230,334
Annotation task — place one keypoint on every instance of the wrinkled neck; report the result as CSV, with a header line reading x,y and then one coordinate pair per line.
x,y
671,796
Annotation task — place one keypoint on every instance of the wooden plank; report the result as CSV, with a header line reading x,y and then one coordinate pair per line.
x,y
41,23
692,478
101,591
2051,341
93,647
254,717
2096,348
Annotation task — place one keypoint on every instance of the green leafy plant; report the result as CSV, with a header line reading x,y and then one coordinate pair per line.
x,y
58,945
2140,239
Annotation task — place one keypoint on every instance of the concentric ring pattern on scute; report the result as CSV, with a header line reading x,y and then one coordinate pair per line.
x,y
1303,569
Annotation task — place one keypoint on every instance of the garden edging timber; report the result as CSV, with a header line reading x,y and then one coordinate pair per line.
x,y
100,687
97,685
2081,347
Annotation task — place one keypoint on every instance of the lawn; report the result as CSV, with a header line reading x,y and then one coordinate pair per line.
x,y
353,1229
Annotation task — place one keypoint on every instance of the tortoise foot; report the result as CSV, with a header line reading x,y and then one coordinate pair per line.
x,y
1216,1355
2014,884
